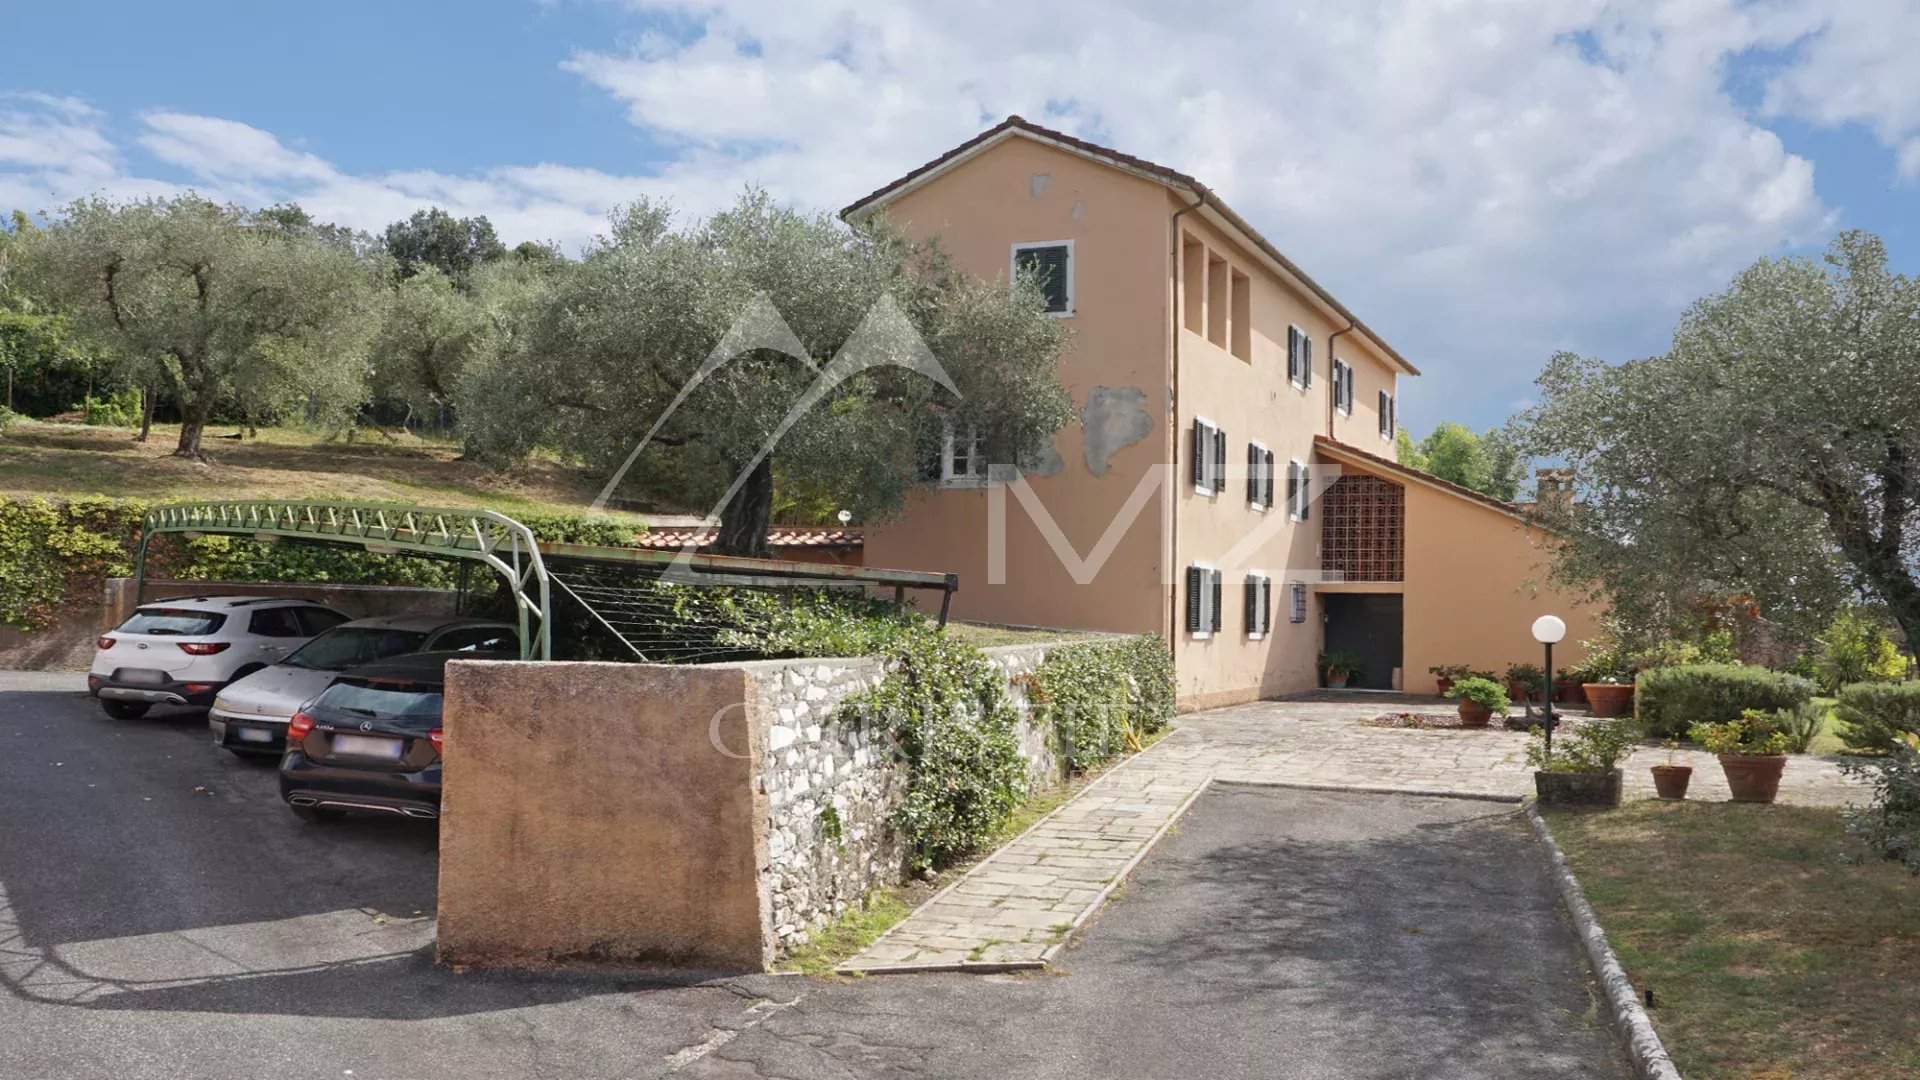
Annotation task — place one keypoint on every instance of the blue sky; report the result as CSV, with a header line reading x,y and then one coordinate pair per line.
x,y
1485,182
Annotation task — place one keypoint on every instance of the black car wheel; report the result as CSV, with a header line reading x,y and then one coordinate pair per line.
x,y
317,814
125,710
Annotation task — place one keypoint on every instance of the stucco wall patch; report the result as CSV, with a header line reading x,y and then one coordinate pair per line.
x,y
1113,419
1038,183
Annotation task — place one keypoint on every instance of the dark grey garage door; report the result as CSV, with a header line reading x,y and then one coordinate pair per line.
x,y
1368,626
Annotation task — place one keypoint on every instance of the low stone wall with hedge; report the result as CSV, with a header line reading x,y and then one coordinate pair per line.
x,y
1671,700
878,768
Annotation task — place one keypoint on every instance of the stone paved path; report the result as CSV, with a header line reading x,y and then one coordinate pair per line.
x,y
1015,908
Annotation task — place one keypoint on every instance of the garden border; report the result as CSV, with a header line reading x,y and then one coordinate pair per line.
x,y
1648,1053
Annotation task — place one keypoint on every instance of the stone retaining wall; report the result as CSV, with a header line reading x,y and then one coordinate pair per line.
x,y
832,784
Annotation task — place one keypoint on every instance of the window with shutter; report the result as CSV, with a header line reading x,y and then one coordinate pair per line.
x,y
1050,263
1219,460
1293,488
1196,584
1252,597
1393,416
1306,492
1202,443
1253,474
1294,372
1266,604
1386,415
1266,475
1346,395
1306,360
1339,384
1217,588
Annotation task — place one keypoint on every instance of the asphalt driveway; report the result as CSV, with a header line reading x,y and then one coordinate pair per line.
x,y
163,915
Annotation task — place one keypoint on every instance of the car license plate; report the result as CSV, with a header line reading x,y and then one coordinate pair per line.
x,y
253,734
142,675
366,746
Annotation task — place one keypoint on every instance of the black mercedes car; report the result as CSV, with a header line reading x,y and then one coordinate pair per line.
x,y
371,740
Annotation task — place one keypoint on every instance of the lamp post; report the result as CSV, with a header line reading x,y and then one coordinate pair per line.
x,y
1548,629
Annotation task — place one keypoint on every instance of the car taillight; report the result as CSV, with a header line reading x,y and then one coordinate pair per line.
x,y
438,738
298,727
203,648
104,641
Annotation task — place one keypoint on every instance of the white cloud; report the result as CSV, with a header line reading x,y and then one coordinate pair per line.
x,y
1859,66
221,150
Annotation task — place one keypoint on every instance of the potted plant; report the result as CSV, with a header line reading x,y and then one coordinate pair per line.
x,y
1446,675
1610,695
1478,699
1338,668
1526,681
1671,780
1752,752
1566,687
1584,769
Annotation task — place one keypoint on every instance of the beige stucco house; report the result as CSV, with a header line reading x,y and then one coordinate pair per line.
x,y
1231,482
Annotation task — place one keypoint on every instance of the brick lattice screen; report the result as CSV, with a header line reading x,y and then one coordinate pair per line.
x,y
1364,537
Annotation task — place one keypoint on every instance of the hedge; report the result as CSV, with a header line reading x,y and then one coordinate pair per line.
x,y
1873,714
1102,697
1671,700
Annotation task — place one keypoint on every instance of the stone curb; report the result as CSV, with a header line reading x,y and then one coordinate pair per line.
x,y
1372,789
1650,1060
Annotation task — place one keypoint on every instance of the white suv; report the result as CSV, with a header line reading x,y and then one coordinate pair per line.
x,y
182,651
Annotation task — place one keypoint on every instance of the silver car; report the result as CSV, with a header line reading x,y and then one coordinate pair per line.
x,y
250,715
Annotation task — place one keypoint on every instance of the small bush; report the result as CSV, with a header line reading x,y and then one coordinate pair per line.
x,y
1875,715
1890,824
1596,747
1802,725
1481,691
1673,700
1856,649
1104,697
1755,733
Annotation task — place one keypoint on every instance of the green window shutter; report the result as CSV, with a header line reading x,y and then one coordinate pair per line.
x,y
1049,268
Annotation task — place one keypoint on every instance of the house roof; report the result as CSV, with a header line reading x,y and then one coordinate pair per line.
x,y
1017,126
1353,455
780,536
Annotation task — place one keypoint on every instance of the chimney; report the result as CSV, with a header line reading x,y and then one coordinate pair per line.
x,y
1553,491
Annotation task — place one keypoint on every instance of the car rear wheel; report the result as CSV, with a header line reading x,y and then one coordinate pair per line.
x,y
125,710
317,814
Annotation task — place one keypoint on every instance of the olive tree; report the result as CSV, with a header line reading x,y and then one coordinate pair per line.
x,y
627,339
229,311
435,331
1773,452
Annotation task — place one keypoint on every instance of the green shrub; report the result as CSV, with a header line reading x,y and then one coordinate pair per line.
x,y
1874,715
1672,700
1890,823
1856,649
1103,697
1596,747
944,704
1802,725
53,553
1754,732
1481,691
120,410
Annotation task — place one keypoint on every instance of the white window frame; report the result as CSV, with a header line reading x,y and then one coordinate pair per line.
x,y
1301,374
1013,270
1205,633
976,474
1296,494
1264,451
1266,611
1389,423
1297,602
1210,447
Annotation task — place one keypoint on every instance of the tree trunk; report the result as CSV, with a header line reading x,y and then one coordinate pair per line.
x,y
148,398
193,421
743,521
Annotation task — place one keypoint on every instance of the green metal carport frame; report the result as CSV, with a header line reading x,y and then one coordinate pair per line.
x,y
479,535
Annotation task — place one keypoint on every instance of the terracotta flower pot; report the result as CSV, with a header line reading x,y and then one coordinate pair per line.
x,y
1472,715
1671,780
1517,691
1569,693
1609,699
1577,789
1336,682
1753,777
1445,684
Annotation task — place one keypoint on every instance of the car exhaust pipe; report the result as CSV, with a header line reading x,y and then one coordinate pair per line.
x,y
420,812
304,800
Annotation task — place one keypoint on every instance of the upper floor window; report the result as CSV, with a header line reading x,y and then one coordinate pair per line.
x,y
1209,458
1259,477
1299,491
1299,357
1050,263
957,459
1388,421
1343,386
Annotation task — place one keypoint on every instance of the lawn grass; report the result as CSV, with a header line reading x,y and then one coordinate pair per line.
x,y
1776,946
68,460
1828,741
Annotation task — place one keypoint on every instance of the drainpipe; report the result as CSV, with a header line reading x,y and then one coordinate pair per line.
x,y
1331,338
1173,391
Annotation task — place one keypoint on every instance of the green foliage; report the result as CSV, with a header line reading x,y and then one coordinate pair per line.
x,y
1489,463
50,551
227,310
1754,733
1856,648
1102,697
1890,823
1595,747
1448,671
1337,663
433,239
1801,724
119,410
1671,701
1759,457
628,328
1530,678
1480,691
1876,716
944,704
